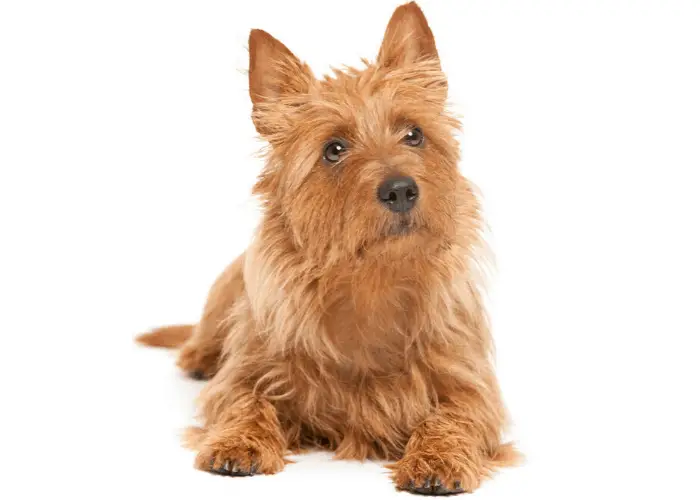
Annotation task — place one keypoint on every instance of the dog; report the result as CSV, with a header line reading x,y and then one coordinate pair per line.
x,y
354,321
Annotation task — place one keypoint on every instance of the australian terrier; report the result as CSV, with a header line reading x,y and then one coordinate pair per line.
x,y
354,320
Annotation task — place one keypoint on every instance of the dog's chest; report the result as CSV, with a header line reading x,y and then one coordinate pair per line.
x,y
339,403
373,329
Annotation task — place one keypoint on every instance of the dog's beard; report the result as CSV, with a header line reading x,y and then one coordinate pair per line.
x,y
400,234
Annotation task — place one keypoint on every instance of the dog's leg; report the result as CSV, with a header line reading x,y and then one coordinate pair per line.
x,y
201,355
453,450
245,439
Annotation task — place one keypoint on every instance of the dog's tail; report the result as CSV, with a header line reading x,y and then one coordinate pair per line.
x,y
167,336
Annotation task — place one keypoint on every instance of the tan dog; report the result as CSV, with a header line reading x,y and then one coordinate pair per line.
x,y
354,320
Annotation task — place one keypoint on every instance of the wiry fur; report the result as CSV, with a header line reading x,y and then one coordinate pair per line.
x,y
335,328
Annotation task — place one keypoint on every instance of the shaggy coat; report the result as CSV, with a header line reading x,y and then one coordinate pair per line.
x,y
345,325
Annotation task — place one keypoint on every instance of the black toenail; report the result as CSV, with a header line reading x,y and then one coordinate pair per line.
x,y
197,375
220,470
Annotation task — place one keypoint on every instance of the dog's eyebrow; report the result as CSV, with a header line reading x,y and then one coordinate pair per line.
x,y
402,123
342,131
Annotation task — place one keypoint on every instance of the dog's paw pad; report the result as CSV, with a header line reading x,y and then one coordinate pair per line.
x,y
434,486
240,459
232,468
434,474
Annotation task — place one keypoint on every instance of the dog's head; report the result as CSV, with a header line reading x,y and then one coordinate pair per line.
x,y
365,159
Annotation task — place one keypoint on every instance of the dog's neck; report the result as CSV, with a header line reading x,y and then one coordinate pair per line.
x,y
360,307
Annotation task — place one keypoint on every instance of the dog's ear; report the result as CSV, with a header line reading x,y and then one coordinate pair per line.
x,y
274,73
407,38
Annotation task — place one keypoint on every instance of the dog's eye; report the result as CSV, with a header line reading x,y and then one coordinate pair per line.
x,y
334,151
414,137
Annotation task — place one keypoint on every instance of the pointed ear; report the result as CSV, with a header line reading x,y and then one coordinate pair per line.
x,y
274,72
407,39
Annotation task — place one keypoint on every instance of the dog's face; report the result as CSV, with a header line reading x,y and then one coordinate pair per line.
x,y
366,158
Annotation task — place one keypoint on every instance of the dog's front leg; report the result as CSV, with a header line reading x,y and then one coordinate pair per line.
x,y
453,450
244,439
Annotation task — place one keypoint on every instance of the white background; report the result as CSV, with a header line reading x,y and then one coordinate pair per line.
x,y
126,156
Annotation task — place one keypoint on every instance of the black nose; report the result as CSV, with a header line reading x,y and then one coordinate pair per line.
x,y
398,194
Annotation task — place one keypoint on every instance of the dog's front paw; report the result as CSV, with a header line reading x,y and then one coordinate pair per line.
x,y
238,458
434,473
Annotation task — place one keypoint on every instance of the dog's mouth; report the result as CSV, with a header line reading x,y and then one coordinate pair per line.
x,y
401,225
